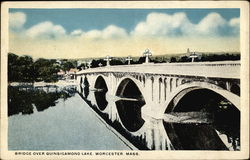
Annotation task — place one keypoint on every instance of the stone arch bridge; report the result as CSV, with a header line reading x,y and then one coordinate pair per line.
x,y
169,106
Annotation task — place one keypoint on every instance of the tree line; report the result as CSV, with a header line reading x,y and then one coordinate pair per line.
x,y
207,58
162,59
25,69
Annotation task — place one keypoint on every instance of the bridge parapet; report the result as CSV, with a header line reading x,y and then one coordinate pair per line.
x,y
224,69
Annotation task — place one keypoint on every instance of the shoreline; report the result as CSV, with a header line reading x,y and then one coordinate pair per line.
x,y
60,83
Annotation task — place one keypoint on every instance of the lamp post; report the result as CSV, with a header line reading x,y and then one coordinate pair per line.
x,y
193,56
128,59
107,59
147,53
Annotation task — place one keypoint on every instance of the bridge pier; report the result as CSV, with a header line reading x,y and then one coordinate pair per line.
x,y
155,134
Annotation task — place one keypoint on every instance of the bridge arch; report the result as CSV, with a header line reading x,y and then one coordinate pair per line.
x,y
137,82
130,101
100,90
183,89
193,135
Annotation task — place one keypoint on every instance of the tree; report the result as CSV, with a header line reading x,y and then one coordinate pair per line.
x,y
13,73
26,68
20,69
66,66
95,63
116,62
141,60
82,65
173,59
184,59
46,70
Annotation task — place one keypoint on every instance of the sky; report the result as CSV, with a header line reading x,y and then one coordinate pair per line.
x,y
84,33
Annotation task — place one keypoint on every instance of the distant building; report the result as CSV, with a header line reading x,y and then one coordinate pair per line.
x,y
71,74
61,75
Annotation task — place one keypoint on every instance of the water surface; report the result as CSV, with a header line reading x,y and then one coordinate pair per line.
x,y
55,119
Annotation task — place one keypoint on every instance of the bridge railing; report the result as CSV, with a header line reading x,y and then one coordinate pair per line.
x,y
222,69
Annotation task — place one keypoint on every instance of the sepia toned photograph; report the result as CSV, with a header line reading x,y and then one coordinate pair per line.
x,y
152,80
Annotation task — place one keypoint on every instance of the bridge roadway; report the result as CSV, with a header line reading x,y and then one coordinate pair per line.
x,y
223,69
139,99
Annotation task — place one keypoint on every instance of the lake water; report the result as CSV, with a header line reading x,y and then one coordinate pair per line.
x,y
56,119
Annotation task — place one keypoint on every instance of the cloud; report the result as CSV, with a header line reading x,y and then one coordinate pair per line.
x,y
160,24
93,34
235,25
110,32
234,22
178,24
77,32
211,24
113,31
46,30
17,20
